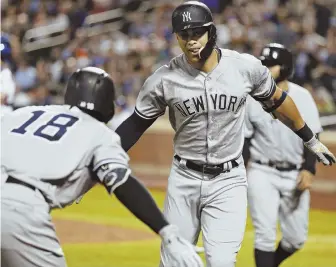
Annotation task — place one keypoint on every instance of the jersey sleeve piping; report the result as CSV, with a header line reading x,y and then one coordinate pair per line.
x,y
148,117
107,160
269,95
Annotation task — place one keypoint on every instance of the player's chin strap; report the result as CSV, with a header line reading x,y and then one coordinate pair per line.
x,y
206,51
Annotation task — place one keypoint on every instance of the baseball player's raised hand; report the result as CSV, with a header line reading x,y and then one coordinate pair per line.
x,y
180,252
321,151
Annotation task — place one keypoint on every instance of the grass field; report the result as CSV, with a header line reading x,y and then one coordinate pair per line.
x,y
97,207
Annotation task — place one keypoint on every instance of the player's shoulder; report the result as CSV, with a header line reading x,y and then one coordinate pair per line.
x,y
242,58
246,64
297,88
175,64
158,74
98,131
26,109
155,79
105,135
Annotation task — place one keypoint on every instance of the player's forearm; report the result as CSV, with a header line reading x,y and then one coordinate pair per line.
x,y
138,200
132,129
288,114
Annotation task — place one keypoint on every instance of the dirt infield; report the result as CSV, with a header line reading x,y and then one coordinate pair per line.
x,y
74,232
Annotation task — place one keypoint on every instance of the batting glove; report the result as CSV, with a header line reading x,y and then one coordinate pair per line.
x,y
321,151
180,252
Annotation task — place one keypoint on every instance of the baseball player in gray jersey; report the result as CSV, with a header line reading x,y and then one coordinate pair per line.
x,y
205,89
51,156
281,168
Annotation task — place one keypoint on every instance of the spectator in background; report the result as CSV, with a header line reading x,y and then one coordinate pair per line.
x,y
145,40
7,83
124,107
323,17
25,75
328,60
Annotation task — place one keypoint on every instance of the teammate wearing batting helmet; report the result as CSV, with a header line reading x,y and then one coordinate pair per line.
x,y
205,89
274,54
93,91
281,168
54,154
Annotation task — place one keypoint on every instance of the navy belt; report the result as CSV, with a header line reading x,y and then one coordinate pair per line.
x,y
13,180
209,169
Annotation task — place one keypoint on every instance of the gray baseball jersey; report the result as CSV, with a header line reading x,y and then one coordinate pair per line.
x,y
55,148
206,110
271,193
268,133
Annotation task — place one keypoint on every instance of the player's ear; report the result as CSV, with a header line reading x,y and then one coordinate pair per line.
x,y
275,71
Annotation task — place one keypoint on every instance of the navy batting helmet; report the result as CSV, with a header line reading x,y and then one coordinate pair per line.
x,y
276,54
194,14
191,14
92,90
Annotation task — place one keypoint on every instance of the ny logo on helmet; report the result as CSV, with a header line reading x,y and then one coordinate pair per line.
x,y
186,16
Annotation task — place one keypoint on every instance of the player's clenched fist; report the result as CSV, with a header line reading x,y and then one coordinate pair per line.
x,y
322,152
179,252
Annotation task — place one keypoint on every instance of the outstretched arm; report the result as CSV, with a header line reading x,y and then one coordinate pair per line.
x,y
132,129
284,108
137,199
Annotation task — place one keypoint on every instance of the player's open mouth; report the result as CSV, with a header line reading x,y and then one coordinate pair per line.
x,y
194,51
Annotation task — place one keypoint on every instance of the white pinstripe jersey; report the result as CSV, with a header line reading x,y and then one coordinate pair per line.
x,y
206,110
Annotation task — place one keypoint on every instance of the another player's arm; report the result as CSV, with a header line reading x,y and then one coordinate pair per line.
x,y
284,108
276,101
117,180
110,168
138,200
305,177
132,129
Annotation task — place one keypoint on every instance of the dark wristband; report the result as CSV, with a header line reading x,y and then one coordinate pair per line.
x,y
305,133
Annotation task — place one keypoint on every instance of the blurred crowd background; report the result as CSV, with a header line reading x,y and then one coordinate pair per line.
x,y
130,39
